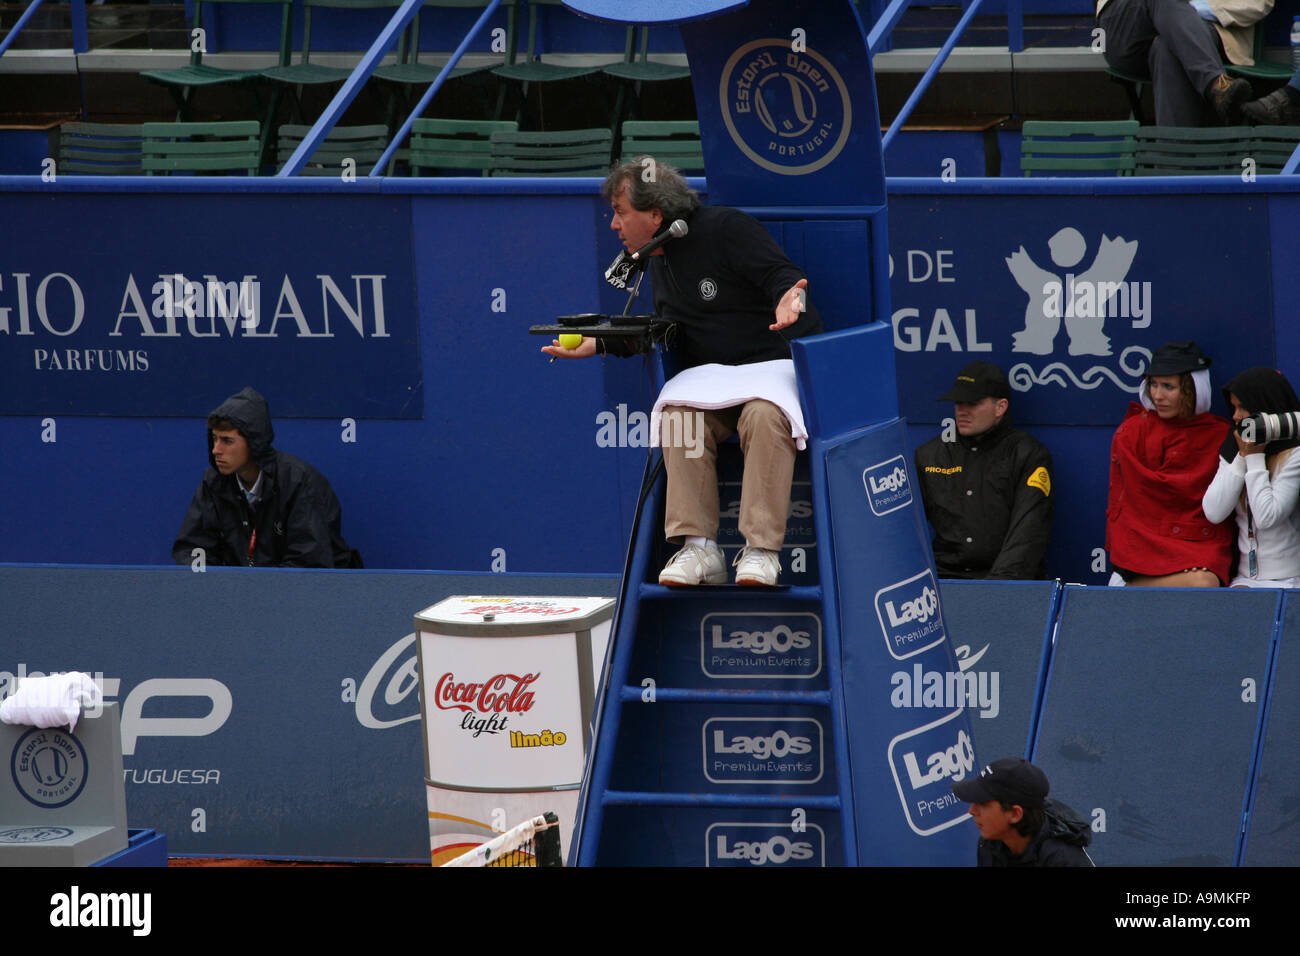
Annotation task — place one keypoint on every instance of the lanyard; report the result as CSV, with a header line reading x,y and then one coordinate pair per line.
x,y
1251,561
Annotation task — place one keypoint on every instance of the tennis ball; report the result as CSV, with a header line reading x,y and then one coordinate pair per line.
x,y
570,341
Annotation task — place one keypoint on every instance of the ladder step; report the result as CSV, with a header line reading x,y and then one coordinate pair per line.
x,y
704,696
634,798
729,592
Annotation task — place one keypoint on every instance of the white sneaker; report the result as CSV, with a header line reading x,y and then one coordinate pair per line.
x,y
694,565
757,566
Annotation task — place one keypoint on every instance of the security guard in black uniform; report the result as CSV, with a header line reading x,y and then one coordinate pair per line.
x,y
988,488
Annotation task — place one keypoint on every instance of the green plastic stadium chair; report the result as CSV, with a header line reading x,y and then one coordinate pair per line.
x,y
304,72
636,69
454,147
363,145
676,143
526,66
1272,146
1077,149
578,152
99,149
182,82
192,148
1133,87
1263,69
1192,150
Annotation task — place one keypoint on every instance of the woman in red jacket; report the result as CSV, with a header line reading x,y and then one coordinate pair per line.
x,y
1163,457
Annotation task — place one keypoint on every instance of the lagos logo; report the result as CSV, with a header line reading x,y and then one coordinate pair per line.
x,y
787,111
48,767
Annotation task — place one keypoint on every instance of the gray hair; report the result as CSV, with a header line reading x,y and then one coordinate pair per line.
x,y
651,184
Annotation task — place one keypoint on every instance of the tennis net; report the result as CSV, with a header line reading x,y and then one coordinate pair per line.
x,y
534,842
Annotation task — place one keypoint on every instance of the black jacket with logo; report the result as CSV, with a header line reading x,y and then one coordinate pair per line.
x,y
1060,842
720,285
989,501
297,517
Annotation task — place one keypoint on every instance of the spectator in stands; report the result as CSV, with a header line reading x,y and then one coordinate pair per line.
x,y
1182,47
1279,108
987,489
1018,825
1261,483
259,506
1161,461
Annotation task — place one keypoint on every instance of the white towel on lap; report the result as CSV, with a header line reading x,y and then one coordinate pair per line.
x,y
722,386
53,701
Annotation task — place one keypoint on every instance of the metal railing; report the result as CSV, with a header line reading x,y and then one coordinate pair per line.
x,y
352,86
880,32
80,35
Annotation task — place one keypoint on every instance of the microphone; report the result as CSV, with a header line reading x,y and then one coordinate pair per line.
x,y
675,231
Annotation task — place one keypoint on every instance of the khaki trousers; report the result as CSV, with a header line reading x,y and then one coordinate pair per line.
x,y
692,505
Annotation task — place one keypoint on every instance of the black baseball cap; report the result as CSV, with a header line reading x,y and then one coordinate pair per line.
x,y
978,380
1011,780
1174,358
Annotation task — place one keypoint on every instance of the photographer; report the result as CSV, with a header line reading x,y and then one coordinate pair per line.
x,y
1260,482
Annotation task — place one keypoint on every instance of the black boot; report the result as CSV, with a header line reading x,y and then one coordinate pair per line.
x,y
1279,108
1228,96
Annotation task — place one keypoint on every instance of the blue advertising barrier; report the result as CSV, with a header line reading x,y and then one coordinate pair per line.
x,y
1151,717
118,308
1001,632
264,712
886,597
1273,837
501,435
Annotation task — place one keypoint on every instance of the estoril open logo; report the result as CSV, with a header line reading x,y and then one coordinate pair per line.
x,y
764,844
926,762
887,486
768,750
787,111
770,645
909,615
49,767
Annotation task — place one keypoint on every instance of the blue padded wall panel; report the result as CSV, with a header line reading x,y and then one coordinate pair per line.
x,y
997,630
1146,725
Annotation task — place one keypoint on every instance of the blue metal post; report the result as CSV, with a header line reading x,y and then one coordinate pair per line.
x,y
1015,25
352,86
80,35
934,67
1289,168
878,38
427,98
22,21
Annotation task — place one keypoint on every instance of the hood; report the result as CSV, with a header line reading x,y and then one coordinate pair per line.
x,y
248,411
1065,823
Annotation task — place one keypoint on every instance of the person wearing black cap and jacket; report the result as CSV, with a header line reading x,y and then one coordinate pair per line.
x,y
1162,460
987,491
1018,824
1260,482
257,506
